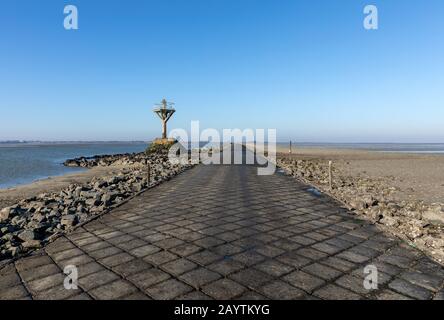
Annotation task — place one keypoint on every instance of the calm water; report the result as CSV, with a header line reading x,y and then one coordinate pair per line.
x,y
427,148
24,163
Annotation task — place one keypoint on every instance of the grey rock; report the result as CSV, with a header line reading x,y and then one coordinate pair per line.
x,y
68,220
27,235
6,213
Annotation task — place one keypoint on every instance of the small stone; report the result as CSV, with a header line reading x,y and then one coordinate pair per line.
x,y
68,220
5,214
31,244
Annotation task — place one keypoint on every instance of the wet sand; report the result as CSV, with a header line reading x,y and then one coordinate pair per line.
x,y
11,196
417,176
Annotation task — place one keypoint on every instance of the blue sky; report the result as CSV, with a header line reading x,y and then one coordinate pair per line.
x,y
307,68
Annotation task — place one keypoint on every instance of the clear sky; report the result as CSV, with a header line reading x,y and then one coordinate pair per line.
x,y
307,68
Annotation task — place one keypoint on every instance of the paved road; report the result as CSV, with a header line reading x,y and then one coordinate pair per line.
x,y
223,232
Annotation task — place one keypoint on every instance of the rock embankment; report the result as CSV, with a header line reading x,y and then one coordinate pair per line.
x,y
420,223
106,160
32,222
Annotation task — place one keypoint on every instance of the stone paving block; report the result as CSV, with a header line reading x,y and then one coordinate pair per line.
x,y
39,272
138,296
113,290
408,289
86,269
352,257
427,266
269,251
62,255
383,278
439,295
96,279
279,290
322,271
148,277
59,245
96,246
391,295
190,236
247,243
194,295
204,257
251,295
179,266
223,289
426,281
208,242
226,266
354,284
294,260
274,268
156,237
13,293
131,267
121,239
228,236
365,251
387,268
351,239
58,292
338,264
86,241
81,296
327,248
9,279
303,240
160,258
399,261
115,260
105,252
248,258
111,234
304,281
45,283
168,289
311,254
332,292
132,244
168,243
286,244
76,261
185,249
251,278
32,262
144,250
226,249
199,277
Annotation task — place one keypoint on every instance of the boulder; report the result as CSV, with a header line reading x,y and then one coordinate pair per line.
x,y
434,215
31,244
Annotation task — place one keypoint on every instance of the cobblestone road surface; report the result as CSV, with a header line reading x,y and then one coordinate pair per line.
x,y
223,232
